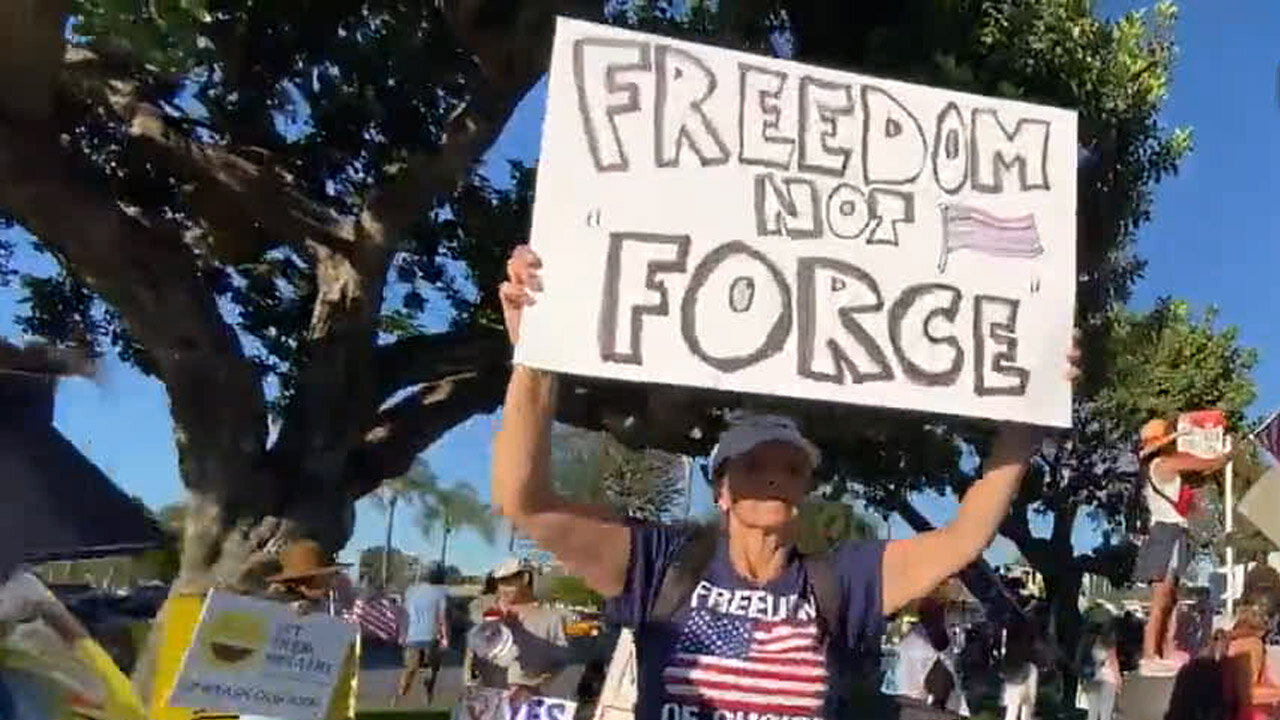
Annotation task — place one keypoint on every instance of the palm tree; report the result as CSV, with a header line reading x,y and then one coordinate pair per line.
x,y
455,508
415,487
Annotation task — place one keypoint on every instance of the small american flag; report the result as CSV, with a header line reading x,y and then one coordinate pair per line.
x,y
968,228
737,664
1268,436
378,617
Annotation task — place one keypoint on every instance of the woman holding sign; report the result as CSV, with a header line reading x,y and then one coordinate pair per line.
x,y
1167,478
736,622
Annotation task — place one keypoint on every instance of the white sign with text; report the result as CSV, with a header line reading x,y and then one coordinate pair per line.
x,y
480,703
260,657
717,219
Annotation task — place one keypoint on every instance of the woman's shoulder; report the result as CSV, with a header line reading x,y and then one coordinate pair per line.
x,y
1246,644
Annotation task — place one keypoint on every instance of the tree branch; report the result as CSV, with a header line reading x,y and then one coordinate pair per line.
x,y
238,198
153,280
425,358
979,577
248,203
411,425
511,53
511,50
31,35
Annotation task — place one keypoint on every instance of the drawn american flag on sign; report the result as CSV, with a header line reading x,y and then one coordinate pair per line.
x,y
735,663
968,228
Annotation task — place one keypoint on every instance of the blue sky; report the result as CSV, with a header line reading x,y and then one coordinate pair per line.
x,y
1213,240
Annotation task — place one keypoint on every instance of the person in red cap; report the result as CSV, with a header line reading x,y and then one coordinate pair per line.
x,y
1165,554
743,623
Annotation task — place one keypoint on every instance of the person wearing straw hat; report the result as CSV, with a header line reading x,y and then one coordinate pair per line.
x,y
307,581
752,626
307,577
1165,554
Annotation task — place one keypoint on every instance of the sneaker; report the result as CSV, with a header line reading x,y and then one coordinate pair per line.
x,y
1157,667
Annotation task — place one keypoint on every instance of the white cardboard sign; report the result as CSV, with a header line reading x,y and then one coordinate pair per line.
x,y
1262,505
479,703
1202,433
259,657
717,219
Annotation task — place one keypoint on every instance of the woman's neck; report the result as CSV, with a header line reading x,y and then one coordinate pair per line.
x,y
757,555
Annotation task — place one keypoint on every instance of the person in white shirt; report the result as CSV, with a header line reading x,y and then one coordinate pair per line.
x,y
1100,677
1164,555
1019,671
925,657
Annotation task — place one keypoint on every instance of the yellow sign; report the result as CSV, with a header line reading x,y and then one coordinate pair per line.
x,y
238,637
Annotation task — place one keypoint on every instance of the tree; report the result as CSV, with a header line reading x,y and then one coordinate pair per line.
x,y
822,524
255,176
1158,364
414,488
455,508
401,568
572,591
1208,528
594,468
164,564
257,202
288,165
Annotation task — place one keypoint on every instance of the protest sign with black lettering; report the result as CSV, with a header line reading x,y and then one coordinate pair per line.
x,y
717,219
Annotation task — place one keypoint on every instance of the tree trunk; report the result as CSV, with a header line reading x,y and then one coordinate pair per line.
x,y
979,578
444,544
232,540
1065,621
386,546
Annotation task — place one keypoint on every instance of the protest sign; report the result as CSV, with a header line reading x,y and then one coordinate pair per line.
x,y
1202,433
717,219
479,703
260,657
618,694
1261,505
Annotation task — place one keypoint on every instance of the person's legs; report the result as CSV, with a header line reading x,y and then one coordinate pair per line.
x,y
1163,594
1106,700
1012,702
432,670
1029,695
413,660
1093,699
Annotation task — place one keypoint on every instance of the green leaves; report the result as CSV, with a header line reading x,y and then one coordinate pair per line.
x,y
1174,359
594,468
456,507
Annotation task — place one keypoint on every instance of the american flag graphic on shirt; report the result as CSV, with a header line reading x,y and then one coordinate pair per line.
x,y
738,664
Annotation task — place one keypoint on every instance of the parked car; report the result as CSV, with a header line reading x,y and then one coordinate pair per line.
x,y
583,624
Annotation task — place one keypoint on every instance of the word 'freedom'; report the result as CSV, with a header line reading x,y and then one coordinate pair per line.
x,y
832,299
834,131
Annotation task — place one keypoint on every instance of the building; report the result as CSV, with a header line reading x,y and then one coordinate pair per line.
x,y
56,504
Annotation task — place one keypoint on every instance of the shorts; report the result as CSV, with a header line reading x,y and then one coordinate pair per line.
x,y
1164,554
419,655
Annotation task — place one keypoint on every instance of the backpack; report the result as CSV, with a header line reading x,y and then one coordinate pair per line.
x,y
693,557
678,583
